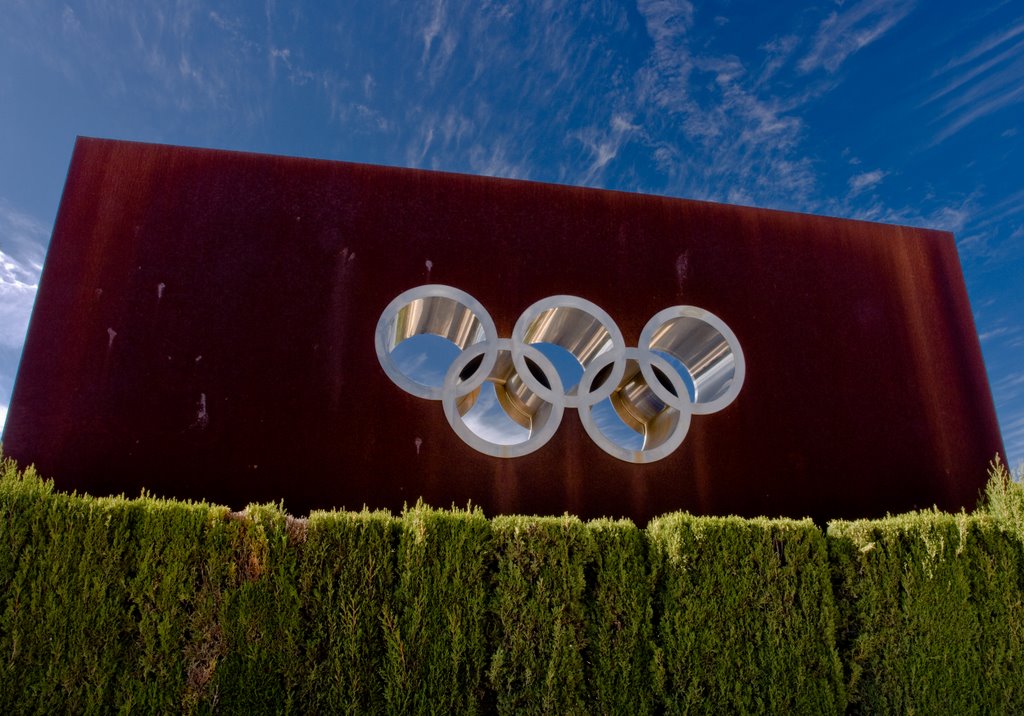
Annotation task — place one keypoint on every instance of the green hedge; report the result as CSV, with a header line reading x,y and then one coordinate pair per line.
x,y
146,605
747,619
933,613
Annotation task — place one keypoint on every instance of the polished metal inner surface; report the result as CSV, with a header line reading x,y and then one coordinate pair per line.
x,y
506,396
579,329
703,350
423,330
437,315
490,421
641,409
518,403
681,370
497,412
424,358
569,369
575,330
634,423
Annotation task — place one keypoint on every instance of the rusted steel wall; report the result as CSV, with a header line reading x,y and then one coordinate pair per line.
x,y
204,328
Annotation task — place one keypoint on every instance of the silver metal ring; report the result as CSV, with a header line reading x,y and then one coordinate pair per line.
x,y
518,421
505,397
700,344
640,408
584,330
435,310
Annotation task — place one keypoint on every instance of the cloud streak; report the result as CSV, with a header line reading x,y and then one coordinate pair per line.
x,y
22,238
604,146
1013,440
983,47
17,293
865,180
850,30
989,77
21,259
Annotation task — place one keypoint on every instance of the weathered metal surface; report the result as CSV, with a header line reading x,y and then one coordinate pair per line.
x,y
204,328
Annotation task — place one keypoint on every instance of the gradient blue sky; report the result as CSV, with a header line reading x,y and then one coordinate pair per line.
x,y
886,110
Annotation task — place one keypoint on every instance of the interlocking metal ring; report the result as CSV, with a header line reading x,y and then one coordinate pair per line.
x,y
506,397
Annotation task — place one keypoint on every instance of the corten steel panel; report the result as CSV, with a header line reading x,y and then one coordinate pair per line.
x,y
205,323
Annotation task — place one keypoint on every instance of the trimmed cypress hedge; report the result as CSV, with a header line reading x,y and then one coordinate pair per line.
x,y
346,584
539,602
619,652
747,619
147,605
436,632
934,618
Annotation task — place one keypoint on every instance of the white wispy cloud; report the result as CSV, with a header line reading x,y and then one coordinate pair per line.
x,y
497,160
1005,208
149,51
1008,387
778,52
981,81
439,41
988,236
21,258
865,180
978,69
665,79
17,294
512,90
987,45
297,75
851,29
998,91
604,145
952,218
1012,429
69,21
741,135
417,150
996,83
999,332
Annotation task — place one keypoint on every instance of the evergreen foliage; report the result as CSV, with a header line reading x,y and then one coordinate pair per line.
x,y
747,618
346,584
156,606
934,618
539,602
436,634
619,651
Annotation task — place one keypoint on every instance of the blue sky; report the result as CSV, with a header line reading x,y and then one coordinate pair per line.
x,y
886,110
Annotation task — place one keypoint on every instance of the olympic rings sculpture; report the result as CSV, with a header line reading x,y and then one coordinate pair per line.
x,y
505,397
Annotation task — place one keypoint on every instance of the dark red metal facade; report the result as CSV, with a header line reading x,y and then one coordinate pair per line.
x,y
204,328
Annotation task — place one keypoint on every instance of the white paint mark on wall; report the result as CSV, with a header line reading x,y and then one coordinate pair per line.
x,y
419,444
430,265
682,267
160,290
202,417
111,335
